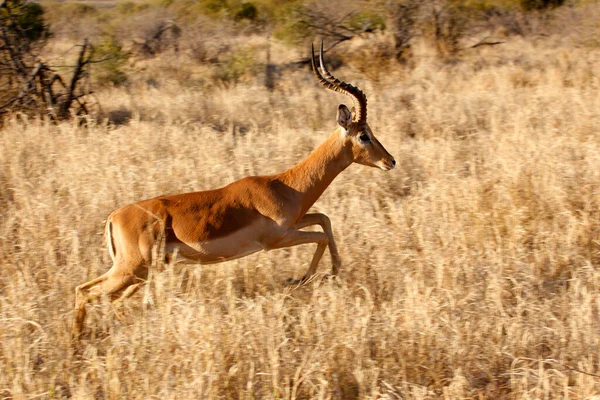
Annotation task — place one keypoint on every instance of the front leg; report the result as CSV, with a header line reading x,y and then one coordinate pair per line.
x,y
325,223
297,237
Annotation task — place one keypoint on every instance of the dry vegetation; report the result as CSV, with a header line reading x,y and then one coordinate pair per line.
x,y
470,271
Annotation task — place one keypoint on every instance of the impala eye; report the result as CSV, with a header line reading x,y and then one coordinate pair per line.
x,y
364,138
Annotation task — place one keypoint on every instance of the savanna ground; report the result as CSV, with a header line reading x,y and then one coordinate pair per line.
x,y
470,271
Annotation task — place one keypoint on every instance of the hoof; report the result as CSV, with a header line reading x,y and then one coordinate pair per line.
x,y
333,278
292,281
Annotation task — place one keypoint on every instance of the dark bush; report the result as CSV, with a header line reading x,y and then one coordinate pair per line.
x,y
28,19
530,5
246,11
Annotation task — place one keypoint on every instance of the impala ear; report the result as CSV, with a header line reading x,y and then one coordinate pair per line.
x,y
344,116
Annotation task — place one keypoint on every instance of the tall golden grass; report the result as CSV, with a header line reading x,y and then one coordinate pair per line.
x,y
470,271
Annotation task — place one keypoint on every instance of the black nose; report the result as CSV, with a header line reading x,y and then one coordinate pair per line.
x,y
394,163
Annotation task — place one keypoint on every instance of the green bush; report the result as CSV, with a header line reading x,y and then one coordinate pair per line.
x,y
366,20
32,21
247,11
213,7
129,7
29,18
110,70
289,26
238,66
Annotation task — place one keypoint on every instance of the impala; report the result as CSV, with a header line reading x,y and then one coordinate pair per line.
x,y
253,214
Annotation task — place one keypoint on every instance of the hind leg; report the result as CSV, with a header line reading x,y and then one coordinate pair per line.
x,y
130,291
81,298
111,284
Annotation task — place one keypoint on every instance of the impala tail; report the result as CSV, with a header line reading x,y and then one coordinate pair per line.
x,y
108,234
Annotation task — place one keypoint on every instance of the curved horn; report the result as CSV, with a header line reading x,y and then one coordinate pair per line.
x,y
332,83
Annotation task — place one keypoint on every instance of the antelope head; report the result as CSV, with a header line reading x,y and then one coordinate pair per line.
x,y
366,149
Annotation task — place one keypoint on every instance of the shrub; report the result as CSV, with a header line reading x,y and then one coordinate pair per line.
x,y
75,10
27,84
238,66
72,20
110,70
28,19
247,11
450,25
161,36
452,21
530,5
290,27
129,7
366,21
296,23
402,19
212,7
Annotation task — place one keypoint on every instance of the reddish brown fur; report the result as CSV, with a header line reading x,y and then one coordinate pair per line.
x,y
249,215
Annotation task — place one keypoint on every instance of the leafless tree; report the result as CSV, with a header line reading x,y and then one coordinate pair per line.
x,y
403,25
29,85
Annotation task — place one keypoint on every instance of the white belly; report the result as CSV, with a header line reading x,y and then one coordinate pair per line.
x,y
239,244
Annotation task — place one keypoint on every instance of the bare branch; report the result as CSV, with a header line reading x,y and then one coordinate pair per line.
x,y
64,107
483,43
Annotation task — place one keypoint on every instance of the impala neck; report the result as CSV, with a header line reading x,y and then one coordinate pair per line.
x,y
315,173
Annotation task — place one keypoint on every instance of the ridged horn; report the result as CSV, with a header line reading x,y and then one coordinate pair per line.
x,y
330,82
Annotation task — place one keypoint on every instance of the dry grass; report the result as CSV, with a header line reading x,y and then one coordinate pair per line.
x,y
471,271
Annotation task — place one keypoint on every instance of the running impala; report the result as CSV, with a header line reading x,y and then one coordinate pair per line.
x,y
253,214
